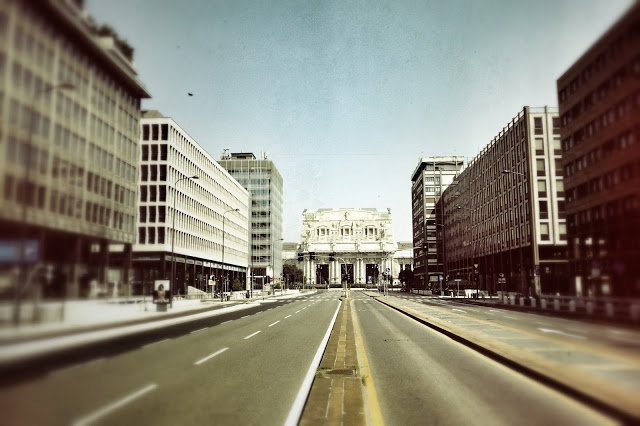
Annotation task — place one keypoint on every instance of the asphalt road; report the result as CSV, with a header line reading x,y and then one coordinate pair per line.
x,y
423,377
244,367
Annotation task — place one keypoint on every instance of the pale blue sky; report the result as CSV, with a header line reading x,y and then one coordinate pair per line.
x,y
346,96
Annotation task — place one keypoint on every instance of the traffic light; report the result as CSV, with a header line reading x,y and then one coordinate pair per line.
x,y
300,257
332,257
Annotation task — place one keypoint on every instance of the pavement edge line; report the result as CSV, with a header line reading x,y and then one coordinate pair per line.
x,y
298,404
373,411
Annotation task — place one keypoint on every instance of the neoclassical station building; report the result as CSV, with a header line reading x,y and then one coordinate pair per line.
x,y
347,245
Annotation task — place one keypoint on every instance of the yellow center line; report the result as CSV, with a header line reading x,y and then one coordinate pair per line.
x,y
372,405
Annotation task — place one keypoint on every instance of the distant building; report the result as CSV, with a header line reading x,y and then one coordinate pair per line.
x,y
199,213
69,108
347,246
505,211
430,178
264,182
599,99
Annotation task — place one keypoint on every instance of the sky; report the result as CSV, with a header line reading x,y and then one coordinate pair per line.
x,y
346,96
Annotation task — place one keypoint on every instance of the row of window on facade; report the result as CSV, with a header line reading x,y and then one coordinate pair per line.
x,y
620,142
628,107
604,216
368,231
621,175
64,204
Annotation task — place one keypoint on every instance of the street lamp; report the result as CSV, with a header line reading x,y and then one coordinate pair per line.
x,y
173,237
26,198
522,179
224,271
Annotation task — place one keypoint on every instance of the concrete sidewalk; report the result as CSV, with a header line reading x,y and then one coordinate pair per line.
x,y
602,376
91,322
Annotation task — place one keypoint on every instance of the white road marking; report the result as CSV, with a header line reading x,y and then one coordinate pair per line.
x,y
208,357
459,310
297,312
274,323
200,329
245,316
550,330
287,316
153,343
298,404
252,334
510,317
114,406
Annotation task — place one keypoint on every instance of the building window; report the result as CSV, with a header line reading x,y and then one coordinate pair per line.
x,y
544,209
145,153
141,235
152,214
537,124
544,231
164,132
540,168
152,193
560,188
144,173
160,235
154,152
143,193
539,146
557,148
145,132
163,151
558,166
154,132
143,214
562,231
556,125
162,196
542,188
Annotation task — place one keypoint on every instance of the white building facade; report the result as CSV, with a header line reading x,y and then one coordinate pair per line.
x,y
208,216
347,246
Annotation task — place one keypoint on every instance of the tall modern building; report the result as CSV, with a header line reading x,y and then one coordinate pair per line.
x,y
599,98
430,178
504,214
188,206
264,183
70,108
347,246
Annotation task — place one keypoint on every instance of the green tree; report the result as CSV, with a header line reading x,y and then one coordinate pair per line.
x,y
292,274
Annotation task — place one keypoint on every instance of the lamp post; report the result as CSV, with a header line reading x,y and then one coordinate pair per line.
x,y
173,237
224,271
522,179
25,198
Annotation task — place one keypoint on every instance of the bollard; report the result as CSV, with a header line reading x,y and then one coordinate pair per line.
x,y
572,305
556,304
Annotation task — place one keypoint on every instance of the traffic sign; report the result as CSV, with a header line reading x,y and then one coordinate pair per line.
x,y
502,280
387,270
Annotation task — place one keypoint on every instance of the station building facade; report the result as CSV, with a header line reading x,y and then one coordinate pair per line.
x,y
347,246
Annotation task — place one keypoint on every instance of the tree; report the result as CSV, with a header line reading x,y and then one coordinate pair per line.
x,y
292,273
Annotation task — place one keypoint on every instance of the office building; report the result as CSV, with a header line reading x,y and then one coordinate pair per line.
x,y
430,178
504,214
185,194
262,178
70,108
599,99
